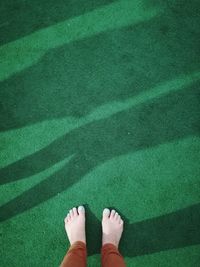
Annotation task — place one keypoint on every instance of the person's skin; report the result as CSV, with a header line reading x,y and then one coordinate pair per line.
x,y
112,226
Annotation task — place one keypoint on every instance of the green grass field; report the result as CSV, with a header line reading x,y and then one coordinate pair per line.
x,y
100,105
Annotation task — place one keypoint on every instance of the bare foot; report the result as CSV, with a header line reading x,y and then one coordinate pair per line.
x,y
112,227
75,225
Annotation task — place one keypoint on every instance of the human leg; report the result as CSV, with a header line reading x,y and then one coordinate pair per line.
x,y
75,228
112,228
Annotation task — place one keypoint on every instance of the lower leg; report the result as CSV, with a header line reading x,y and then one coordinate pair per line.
x,y
112,226
76,256
110,256
75,228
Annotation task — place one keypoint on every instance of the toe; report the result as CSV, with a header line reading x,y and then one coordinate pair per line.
x,y
66,220
116,216
71,213
75,211
68,217
119,219
81,210
106,213
112,214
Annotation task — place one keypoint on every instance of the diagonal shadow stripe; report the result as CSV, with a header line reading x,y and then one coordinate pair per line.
x,y
165,119
25,52
19,19
102,112
119,63
186,117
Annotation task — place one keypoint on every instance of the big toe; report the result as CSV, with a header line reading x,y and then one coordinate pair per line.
x,y
81,211
106,213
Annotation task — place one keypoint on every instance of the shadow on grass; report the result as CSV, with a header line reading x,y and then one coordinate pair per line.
x,y
156,122
76,78
170,231
20,18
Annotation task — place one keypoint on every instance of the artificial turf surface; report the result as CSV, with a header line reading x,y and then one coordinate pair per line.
x,y
100,105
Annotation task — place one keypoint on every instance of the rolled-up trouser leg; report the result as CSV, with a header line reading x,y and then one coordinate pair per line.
x,y
76,256
110,256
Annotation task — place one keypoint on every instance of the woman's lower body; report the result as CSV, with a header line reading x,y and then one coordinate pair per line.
x,y
112,227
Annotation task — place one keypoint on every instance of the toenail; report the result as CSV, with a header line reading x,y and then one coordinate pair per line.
x,y
106,210
81,208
